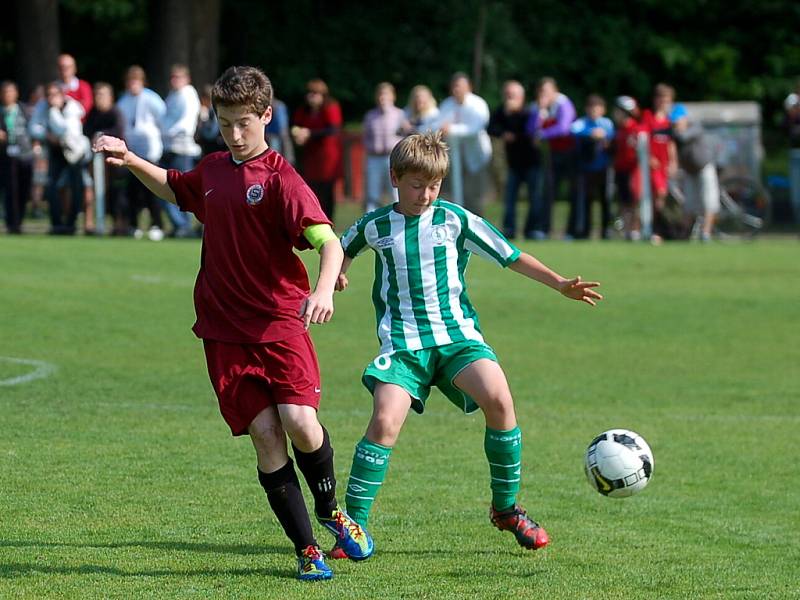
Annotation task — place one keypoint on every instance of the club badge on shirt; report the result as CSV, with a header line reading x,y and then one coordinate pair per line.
x,y
439,235
255,193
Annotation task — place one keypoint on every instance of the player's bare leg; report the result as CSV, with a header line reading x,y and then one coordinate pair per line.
x,y
485,382
389,411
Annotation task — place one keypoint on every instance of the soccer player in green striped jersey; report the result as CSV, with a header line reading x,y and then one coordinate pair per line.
x,y
429,331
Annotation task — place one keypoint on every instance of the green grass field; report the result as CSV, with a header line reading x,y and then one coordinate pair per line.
x,y
118,478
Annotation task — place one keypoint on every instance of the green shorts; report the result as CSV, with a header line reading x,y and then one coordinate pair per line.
x,y
416,371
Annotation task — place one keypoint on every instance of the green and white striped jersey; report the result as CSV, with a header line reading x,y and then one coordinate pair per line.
x,y
419,293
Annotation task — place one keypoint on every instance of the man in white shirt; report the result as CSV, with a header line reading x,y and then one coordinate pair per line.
x,y
56,122
178,127
143,110
464,117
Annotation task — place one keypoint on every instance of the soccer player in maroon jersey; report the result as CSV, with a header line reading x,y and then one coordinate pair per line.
x,y
254,305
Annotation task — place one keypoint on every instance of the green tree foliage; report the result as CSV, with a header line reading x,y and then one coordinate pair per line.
x,y
708,49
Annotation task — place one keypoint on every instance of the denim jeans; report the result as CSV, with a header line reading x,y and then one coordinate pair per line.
x,y
530,177
180,220
377,181
59,170
794,182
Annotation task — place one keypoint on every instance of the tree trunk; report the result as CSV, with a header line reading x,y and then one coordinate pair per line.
x,y
204,48
38,43
170,40
477,51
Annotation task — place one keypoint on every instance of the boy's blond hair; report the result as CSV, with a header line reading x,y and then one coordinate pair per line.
x,y
423,153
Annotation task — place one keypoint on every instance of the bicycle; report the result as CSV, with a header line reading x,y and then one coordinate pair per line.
x,y
744,208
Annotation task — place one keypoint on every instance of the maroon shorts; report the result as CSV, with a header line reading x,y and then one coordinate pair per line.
x,y
248,378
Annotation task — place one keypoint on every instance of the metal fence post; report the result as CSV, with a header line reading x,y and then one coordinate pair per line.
x,y
99,179
646,196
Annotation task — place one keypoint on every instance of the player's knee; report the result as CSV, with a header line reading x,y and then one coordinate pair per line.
x,y
384,429
303,429
499,404
267,435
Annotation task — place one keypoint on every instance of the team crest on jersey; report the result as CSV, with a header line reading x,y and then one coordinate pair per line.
x,y
255,193
439,234
386,242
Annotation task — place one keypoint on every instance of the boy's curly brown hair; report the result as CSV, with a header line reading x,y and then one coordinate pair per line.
x,y
243,86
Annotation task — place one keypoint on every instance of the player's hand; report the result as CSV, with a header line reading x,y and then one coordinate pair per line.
x,y
341,282
580,290
317,308
116,150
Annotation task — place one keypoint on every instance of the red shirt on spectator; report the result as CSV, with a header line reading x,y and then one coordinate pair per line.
x,y
625,141
658,126
251,284
81,91
322,153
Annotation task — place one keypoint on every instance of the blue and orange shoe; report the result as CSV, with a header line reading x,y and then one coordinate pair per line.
x,y
311,565
528,532
352,540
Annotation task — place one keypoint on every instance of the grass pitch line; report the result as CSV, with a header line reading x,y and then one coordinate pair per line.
x,y
42,370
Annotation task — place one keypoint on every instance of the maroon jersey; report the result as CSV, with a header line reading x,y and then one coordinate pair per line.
x,y
251,284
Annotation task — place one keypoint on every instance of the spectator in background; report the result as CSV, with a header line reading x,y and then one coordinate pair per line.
x,y
626,118
79,90
551,123
382,127
142,110
593,134
663,162
508,123
792,124
73,87
15,157
106,119
278,133
317,125
421,112
178,128
700,183
58,125
208,135
39,166
464,117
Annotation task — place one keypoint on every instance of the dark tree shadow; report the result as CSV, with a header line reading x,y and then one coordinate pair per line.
x,y
19,569
241,549
10,570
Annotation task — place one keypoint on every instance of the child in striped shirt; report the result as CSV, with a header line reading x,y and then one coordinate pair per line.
x,y
429,331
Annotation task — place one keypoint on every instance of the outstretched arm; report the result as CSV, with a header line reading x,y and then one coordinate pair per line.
x,y
341,281
152,176
571,288
318,307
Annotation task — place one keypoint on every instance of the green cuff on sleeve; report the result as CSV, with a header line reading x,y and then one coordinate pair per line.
x,y
318,234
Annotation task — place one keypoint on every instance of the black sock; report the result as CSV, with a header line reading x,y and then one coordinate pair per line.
x,y
286,500
317,468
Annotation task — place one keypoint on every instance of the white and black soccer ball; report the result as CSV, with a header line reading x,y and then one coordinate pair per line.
x,y
618,463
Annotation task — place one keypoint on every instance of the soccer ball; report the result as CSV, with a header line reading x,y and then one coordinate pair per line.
x,y
618,463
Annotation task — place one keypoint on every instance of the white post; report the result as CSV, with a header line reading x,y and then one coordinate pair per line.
x,y
646,199
99,178
456,172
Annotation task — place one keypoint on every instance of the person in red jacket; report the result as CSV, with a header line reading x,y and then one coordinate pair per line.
x,y
73,87
626,118
316,130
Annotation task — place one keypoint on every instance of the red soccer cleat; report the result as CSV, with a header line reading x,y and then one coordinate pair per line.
x,y
528,532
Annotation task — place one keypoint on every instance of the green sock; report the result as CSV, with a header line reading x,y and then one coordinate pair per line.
x,y
504,452
370,462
